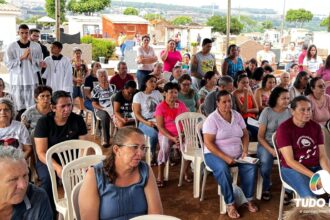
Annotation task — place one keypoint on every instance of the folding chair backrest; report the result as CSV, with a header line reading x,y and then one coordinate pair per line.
x,y
199,131
186,126
74,199
74,173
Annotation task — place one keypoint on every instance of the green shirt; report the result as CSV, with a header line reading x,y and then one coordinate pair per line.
x,y
190,102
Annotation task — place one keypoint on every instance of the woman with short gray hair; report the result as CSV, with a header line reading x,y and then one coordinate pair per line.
x,y
13,132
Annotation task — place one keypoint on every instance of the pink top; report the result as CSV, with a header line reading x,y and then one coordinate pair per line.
x,y
169,115
228,135
171,60
301,58
320,111
304,142
325,74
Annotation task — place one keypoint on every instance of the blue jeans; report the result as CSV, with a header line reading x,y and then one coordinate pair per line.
x,y
299,181
266,165
221,172
88,105
141,77
152,133
122,49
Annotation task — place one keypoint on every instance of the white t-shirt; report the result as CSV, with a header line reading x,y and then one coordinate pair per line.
x,y
313,64
148,102
263,55
146,54
16,134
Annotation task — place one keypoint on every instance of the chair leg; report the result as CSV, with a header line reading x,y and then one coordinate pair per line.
x,y
223,209
197,176
280,211
204,183
148,154
259,185
181,172
166,171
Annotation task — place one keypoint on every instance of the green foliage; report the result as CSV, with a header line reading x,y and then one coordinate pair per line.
x,y
326,23
2,2
50,9
31,20
131,11
151,17
182,20
267,24
219,24
100,47
194,44
299,16
87,6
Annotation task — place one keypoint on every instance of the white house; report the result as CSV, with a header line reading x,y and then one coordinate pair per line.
x,y
86,25
8,14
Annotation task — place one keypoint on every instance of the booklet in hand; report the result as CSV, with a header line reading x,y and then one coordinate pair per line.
x,y
247,160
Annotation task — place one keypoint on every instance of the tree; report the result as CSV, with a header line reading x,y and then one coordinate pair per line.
x,y
87,6
326,23
182,20
151,17
131,11
299,16
267,24
219,24
50,9
2,1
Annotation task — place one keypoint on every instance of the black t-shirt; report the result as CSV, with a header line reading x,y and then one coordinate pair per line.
x,y
89,81
47,128
125,105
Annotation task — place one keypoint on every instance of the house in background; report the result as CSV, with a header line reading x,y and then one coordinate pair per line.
x,y
113,24
8,14
86,25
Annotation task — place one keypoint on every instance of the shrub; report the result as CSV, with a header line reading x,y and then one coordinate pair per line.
x,y
100,47
194,44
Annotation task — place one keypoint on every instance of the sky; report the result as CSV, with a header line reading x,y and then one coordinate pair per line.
x,y
315,6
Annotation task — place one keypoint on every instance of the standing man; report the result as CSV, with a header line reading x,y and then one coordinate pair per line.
x,y
121,42
121,77
202,62
23,60
58,73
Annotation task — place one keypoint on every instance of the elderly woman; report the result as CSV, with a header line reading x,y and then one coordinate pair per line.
x,y
166,112
145,58
122,186
144,107
320,101
4,94
158,73
285,80
301,148
233,63
42,96
122,105
299,85
170,56
271,117
90,80
55,127
188,95
13,132
226,139
262,94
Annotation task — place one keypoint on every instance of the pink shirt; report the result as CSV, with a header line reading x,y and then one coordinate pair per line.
x,y
169,115
304,142
228,136
301,58
320,111
325,74
171,60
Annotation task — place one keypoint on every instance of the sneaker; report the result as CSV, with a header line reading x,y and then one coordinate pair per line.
x,y
288,198
266,195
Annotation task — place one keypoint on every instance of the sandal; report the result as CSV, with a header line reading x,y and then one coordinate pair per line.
x,y
251,206
160,183
266,195
232,212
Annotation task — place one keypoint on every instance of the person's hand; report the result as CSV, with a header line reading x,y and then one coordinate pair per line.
x,y
244,154
161,81
79,80
26,54
59,172
42,64
273,152
245,90
151,124
230,161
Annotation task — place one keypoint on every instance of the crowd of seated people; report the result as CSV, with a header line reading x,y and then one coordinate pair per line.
x,y
230,99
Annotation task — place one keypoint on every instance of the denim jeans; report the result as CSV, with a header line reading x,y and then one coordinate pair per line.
x,y
105,124
152,133
266,165
88,105
141,77
221,172
299,181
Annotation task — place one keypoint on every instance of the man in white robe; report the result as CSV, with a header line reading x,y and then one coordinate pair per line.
x,y
58,73
23,60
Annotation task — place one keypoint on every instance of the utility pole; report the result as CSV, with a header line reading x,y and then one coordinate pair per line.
x,y
228,23
283,19
58,20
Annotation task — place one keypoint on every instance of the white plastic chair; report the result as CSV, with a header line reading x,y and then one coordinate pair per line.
x,y
74,173
67,151
153,217
284,184
207,170
74,199
186,126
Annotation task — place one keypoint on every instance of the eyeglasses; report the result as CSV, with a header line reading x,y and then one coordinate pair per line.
x,y
135,147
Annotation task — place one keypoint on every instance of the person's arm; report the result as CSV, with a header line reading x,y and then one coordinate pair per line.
x,y
116,109
209,141
164,54
96,105
291,162
27,149
163,130
242,106
41,149
258,98
89,190
224,68
138,115
255,108
152,195
193,66
262,140
245,142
